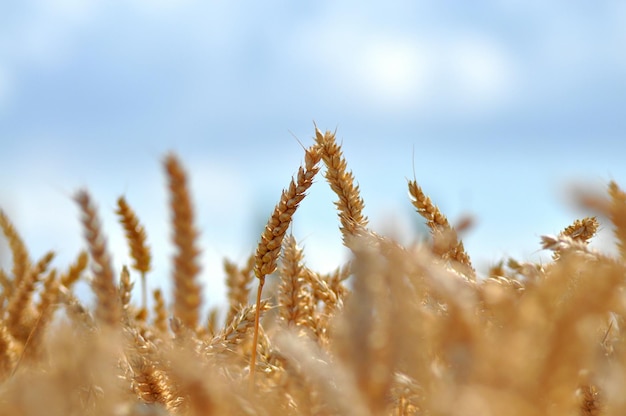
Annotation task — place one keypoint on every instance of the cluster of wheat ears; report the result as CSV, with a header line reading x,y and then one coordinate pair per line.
x,y
397,330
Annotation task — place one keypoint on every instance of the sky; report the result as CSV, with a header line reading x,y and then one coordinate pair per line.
x,y
499,108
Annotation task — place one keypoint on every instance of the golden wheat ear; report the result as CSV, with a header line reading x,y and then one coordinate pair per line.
x,y
107,307
350,204
45,311
21,259
160,311
139,249
295,300
76,269
580,231
8,352
238,282
617,214
268,250
446,243
21,316
187,289
125,291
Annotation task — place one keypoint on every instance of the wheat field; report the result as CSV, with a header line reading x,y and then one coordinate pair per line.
x,y
396,330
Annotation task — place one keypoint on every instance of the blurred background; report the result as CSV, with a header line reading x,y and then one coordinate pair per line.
x,y
497,107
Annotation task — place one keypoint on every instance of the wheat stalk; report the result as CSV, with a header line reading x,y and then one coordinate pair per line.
x,y
268,248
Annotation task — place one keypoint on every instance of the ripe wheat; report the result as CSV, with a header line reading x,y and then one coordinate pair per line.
x,y
396,330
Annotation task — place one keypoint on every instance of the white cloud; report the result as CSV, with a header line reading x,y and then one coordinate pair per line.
x,y
462,72
394,70
480,75
365,65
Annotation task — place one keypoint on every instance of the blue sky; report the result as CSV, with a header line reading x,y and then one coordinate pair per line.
x,y
498,106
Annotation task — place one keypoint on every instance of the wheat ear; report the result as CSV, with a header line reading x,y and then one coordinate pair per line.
x,y
75,270
445,240
21,261
350,204
580,231
46,308
139,249
268,249
187,290
238,285
103,283
19,306
234,334
617,212
295,302
7,287
8,352
148,376
160,313
125,292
